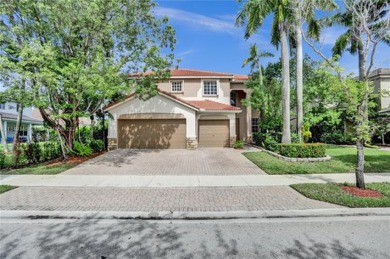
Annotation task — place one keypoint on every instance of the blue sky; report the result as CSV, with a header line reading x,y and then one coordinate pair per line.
x,y
207,38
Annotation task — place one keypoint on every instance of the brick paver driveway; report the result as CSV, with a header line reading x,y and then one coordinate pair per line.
x,y
208,161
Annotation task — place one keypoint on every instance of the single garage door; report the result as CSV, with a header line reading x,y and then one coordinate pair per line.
x,y
150,133
213,133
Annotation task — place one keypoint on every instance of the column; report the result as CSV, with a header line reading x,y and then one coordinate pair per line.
x,y
29,132
5,130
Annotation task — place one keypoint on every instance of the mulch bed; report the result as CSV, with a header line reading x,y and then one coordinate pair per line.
x,y
73,160
360,192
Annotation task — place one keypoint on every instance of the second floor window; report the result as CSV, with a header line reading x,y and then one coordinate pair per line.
x,y
210,88
176,86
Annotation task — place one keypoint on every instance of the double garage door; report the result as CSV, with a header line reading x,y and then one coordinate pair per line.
x,y
157,133
151,134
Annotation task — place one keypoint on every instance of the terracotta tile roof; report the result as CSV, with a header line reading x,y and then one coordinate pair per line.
x,y
211,105
198,105
195,73
240,77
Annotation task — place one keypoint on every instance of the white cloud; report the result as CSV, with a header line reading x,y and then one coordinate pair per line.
x,y
205,22
330,35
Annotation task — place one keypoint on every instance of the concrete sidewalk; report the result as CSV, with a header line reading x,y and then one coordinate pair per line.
x,y
173,181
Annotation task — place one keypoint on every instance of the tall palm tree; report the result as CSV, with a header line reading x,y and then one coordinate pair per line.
x,y
305,10
255,64
254,60
252,15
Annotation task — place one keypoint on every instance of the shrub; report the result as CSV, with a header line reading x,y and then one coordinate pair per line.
x,y
270,143
2,160
302,150
238,144
267,140
28,152
337,137
81,149
51,150
294,138
97,145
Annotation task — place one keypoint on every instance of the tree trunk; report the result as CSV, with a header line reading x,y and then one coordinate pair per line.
x,y
17,127
3,136
15,147
286,136
362,122
299,60
63,149
92,125
360,164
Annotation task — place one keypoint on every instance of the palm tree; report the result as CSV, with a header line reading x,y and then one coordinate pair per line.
x,y
255,64
254,60
305,10
252,15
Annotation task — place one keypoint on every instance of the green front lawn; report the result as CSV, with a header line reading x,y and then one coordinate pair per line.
x,y
41,169
343,161
332,193
6,188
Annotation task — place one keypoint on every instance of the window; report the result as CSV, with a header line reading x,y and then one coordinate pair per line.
x,y
2,106
233,98
210,88
255,124
176,86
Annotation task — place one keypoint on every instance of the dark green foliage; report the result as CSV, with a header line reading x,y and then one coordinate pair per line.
x,y
51,150
97,145
268,141
337,137
82,149
2,160
238,144
294,138
302,150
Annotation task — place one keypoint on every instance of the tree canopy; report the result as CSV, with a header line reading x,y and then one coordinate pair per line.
x,y
71,56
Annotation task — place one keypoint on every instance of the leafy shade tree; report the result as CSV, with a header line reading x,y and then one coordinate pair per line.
x,y
368,23
305,10
252,16
74,63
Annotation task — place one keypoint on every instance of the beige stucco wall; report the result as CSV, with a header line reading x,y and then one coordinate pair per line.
x,y
385,88
157,104
193,89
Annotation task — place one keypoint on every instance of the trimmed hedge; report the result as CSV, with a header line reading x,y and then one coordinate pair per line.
x,y
303,150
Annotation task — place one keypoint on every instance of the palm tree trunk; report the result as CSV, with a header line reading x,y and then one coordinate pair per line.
x,y
286,135
299,61
362,122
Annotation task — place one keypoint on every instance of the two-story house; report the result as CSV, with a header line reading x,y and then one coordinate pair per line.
x,y
192,109
9,113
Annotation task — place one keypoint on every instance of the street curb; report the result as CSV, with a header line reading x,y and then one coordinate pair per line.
x,y
212,215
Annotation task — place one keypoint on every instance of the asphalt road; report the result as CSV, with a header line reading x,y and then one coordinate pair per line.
x,y
344,237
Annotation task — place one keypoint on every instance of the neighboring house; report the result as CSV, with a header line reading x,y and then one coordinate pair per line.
x,y
9,116
381,79
192,109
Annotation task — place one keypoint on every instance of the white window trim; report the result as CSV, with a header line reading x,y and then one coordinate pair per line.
x,y
182,86
210,95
